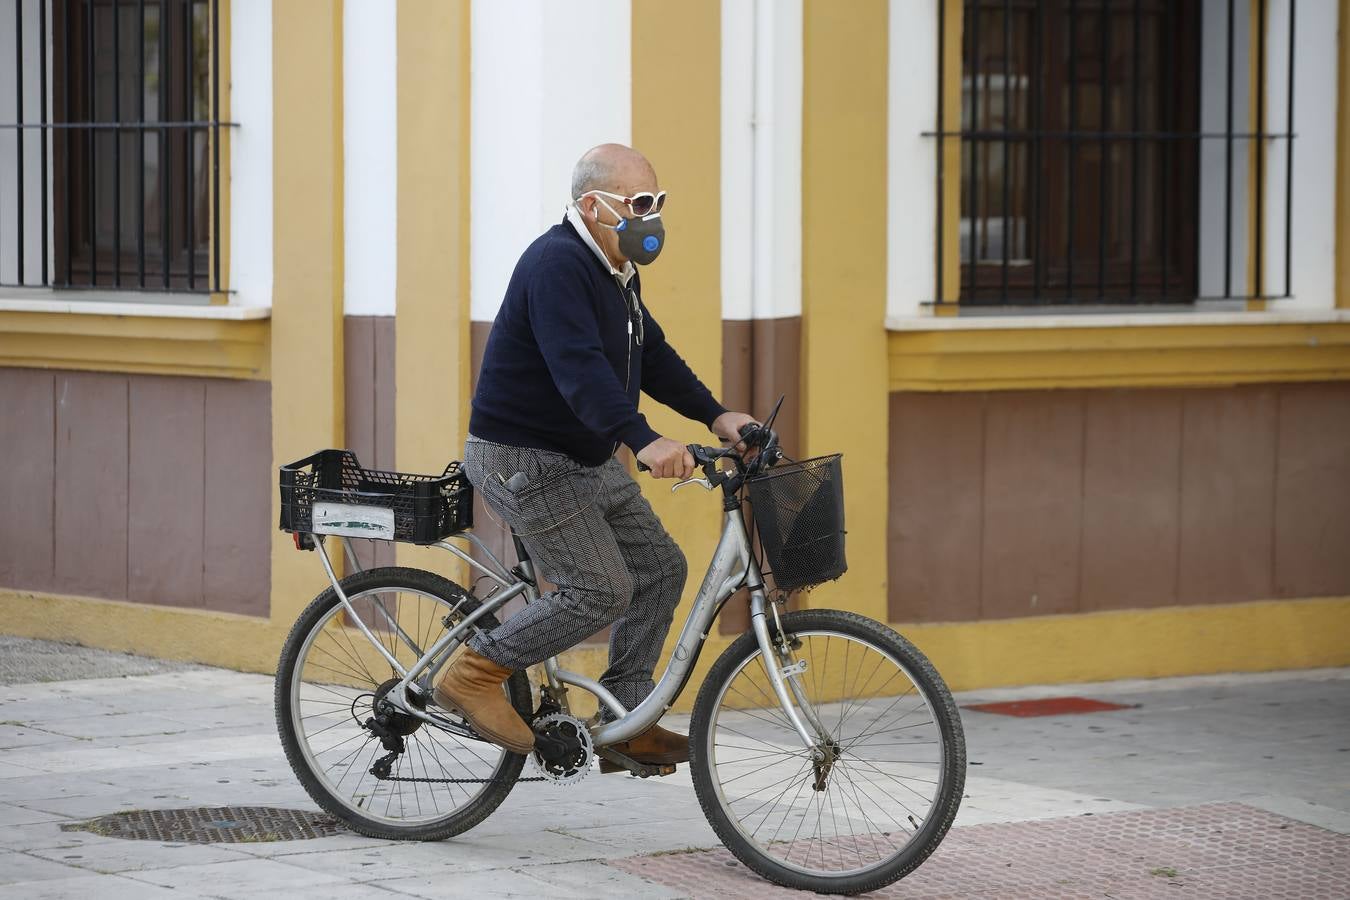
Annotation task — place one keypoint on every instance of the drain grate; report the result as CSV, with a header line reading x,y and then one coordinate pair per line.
x,y
213,825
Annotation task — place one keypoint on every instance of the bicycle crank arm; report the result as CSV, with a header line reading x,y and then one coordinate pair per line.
x,y
614,761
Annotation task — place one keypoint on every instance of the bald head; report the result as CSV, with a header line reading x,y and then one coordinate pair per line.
x,y
614,168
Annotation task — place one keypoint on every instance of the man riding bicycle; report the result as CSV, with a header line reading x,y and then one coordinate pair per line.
x,y
570,349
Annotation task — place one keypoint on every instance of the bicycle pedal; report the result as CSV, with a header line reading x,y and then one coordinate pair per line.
x,y
611,761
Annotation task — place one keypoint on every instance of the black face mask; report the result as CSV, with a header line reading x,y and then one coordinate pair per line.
x,y
641,239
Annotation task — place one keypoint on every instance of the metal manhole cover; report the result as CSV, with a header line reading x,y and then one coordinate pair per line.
x,y
213,825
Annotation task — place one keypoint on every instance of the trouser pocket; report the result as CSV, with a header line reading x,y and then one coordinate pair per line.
x,y
530,489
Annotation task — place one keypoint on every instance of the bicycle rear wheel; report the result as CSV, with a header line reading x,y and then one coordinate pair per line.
x,y
894,768
327,682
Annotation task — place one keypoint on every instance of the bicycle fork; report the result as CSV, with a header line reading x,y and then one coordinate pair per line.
x,y
784,679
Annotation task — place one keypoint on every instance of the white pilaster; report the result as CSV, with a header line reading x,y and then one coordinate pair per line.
x,y
549,80
370,156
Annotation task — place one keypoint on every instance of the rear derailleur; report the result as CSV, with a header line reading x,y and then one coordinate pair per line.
x,y
391,726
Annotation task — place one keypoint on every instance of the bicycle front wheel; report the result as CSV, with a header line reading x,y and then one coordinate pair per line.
x,y
328,681
883,791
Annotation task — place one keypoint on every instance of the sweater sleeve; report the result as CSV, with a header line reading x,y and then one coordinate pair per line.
x,y
667,378
567,331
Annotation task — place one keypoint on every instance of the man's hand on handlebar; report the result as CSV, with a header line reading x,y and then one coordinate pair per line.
x,y
667,459
730,425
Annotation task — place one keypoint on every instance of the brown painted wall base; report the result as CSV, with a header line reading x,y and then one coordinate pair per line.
x,y
761,359
497,537
368,350
137,487
1023,503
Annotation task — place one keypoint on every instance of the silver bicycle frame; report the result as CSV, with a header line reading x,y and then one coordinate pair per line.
x,y
731,566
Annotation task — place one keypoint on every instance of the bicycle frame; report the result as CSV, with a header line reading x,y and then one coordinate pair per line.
x,y
731,566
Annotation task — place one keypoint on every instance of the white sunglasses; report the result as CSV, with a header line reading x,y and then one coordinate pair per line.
x,y
642,204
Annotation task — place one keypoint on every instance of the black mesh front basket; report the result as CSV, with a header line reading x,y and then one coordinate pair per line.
x,y
799,514
426,508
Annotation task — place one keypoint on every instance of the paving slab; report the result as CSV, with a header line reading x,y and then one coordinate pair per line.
x,y
1224,850
17,734
11,814
579,879
111,855
100,887
465,853
16,867
496,883
1278,743
243,878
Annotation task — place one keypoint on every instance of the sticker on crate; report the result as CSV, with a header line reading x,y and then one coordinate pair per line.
x,y
354,520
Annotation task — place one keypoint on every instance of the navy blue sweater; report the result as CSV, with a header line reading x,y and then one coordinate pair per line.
x,y
561,371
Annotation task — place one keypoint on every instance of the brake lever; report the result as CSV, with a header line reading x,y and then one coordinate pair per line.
x,y
707,485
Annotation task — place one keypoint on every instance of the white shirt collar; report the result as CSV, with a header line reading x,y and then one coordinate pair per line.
x,y
574,216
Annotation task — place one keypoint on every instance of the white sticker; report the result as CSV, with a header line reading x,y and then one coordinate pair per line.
x,y
353,520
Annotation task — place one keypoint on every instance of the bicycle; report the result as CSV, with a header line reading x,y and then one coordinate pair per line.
x,y
817,721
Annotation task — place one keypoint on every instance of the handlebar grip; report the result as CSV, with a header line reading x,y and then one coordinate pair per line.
x,y
693,451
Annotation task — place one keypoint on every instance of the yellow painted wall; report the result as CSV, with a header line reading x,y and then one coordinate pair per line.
x,y
1153,643
307,387
950,196
154,345
1343,164
432,292
849,361
1150,643
224,13
677,124
1132,356
844,367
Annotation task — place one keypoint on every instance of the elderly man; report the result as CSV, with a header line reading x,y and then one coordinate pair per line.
x,y
572,345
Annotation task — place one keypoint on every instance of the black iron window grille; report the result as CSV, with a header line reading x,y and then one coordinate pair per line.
x,y
115,142
1081,151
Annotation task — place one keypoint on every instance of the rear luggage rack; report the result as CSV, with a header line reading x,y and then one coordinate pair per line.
x,y
330,493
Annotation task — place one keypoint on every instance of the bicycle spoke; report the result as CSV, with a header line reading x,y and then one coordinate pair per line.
x,y
854,807
336,682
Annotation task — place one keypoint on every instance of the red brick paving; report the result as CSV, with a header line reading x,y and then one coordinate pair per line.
x,y
1221,850
1049,706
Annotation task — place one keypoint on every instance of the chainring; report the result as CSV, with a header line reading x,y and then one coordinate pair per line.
x,y
575,765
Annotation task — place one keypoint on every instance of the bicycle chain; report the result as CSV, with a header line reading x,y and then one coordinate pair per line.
x,y
389,758
394,744
462,780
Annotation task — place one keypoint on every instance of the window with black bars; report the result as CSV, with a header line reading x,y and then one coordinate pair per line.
x,y
1082,146
113,131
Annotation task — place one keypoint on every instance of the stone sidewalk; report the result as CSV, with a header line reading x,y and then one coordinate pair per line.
x,y
1202,783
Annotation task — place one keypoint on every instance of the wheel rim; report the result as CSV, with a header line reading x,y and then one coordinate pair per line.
x,y
333,684
879,793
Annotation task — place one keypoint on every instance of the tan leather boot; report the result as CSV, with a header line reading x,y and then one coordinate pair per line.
x,y
656,747
471,685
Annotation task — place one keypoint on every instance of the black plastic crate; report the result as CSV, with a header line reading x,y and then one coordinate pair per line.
x,y
799,514
426,508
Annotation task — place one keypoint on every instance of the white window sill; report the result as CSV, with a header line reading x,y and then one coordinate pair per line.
x,y
1112,320
93,303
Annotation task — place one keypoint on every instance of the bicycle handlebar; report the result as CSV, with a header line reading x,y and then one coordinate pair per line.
x,y
756,438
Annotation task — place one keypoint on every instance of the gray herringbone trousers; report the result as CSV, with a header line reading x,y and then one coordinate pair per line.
x,y
590,531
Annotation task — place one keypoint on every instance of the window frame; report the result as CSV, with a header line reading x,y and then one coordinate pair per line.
x,y
953,43
186,191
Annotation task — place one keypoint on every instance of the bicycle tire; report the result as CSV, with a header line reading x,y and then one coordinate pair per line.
x,y
921,673
392,578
